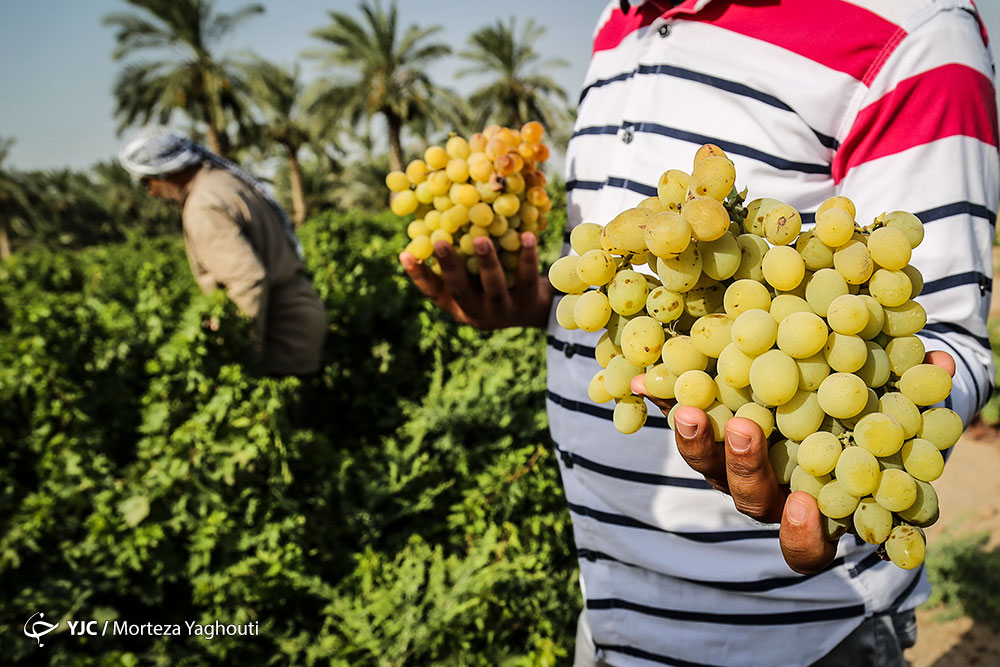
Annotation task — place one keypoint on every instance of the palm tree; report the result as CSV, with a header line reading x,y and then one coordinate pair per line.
x,y
15,207
206,87
278,93
520,92
390,74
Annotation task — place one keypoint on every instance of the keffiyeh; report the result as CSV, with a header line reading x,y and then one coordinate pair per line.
x,y
158,152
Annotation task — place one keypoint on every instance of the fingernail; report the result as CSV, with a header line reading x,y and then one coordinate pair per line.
x,y
441,249
528,240
738,442
482,247
685,429
406,259
797,511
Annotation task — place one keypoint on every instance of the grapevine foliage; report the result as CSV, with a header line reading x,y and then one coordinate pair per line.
x,y
148,474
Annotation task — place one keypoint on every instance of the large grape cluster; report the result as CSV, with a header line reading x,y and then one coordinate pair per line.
x,y
810,334
486,185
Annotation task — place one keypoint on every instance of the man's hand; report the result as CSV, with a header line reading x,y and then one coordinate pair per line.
x,y
485,302
740,467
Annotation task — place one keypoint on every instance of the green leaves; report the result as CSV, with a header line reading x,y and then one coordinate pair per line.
x,y
147,473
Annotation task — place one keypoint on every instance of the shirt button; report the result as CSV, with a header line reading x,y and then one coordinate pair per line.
x,y
627,135
664,30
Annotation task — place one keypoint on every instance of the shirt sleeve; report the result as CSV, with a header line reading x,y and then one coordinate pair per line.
x,y
924,140
220,247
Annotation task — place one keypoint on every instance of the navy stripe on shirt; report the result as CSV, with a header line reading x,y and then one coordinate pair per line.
x,y
710,537
595,410
758,586
719,83
571,459
763,619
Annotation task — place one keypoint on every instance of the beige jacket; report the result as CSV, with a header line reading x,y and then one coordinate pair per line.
x,y
235,240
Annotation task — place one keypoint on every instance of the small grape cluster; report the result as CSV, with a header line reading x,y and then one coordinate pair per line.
x,y
487,185
810,334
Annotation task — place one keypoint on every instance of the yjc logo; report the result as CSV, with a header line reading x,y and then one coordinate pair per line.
x,y
38,629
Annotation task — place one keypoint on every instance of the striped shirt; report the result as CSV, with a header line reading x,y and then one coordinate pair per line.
x,y
888,102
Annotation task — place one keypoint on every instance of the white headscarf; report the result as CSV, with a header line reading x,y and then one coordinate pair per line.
x,y
158,152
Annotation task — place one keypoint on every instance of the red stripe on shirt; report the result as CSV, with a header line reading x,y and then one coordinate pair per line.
x,y
620,25
834,33
919,110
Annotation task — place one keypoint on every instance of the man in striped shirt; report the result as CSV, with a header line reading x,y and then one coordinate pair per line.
x,y
888,102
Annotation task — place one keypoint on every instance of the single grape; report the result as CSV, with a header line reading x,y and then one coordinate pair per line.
x,y
711,333
618,376
642,340
563,275
596,267
759,414
667,234
630,414
834,226
924,510
783,268
681,273
774,377
659,381
889,248
906,546
905,412
782,455
592,311
564,312
925,384
585,236
872,522
853,262
897,490
627,292
858,471
818,453
707,217
802,334
663,305
842,395
695,388
782,224
941,426
803,481
754,331
680,354
800,416
922,459
596,390
834,501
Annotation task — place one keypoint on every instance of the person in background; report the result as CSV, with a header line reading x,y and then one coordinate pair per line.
x,y
238,238
689,552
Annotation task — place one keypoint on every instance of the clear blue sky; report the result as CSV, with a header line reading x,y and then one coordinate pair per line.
x,y
56,72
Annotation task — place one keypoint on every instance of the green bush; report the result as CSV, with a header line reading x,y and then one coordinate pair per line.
x,y
147,475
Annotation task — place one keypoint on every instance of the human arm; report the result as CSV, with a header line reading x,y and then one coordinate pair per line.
x,y
220,250
485,302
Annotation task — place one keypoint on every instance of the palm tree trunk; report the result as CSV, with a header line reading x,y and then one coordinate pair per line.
x,y
299,210
212,138
395,145
5,252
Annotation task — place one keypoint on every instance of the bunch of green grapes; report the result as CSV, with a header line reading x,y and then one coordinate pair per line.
x,y
487,185
731,307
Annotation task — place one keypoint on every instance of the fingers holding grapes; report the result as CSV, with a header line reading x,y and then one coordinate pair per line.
x,y
485,302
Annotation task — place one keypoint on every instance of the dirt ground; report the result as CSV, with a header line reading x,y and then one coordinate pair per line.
x,y
969,493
